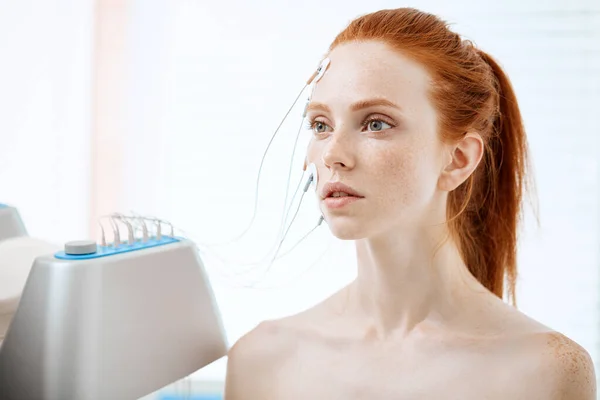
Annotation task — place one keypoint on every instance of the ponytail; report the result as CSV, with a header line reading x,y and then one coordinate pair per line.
x,y
488,226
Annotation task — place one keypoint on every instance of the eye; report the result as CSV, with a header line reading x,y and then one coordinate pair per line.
x,y
376,125
318,127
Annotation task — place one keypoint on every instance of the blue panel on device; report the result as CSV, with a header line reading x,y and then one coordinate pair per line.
x,y
191,397
3,205
103,251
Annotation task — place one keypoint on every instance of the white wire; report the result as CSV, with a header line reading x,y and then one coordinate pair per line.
x,y
289,179
282,239
281,235
254,212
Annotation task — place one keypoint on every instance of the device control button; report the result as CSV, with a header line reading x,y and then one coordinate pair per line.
x,y
80,247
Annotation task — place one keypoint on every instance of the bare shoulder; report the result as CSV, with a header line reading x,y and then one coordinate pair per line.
x,y
535,361
570,366
258,358
563,369
253,361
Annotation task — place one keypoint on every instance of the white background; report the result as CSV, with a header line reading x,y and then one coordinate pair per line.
x,y
206,83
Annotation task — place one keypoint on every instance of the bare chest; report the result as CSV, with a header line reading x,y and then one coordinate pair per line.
x,y
317,372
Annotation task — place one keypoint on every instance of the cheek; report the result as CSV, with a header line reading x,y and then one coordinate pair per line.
x,y
312,152
315,150
406,175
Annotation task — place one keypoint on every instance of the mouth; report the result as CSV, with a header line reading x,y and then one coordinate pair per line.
x,y
337,195
340,201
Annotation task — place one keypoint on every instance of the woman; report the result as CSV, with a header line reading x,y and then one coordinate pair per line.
x,y
421,134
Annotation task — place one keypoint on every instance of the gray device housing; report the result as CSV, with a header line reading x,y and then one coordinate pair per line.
x,y
114,327
11,224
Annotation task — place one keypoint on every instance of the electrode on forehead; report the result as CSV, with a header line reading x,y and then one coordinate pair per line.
x,y
318,74
313,80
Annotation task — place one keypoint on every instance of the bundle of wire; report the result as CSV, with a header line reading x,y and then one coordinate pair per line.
x,y
146,226
289,212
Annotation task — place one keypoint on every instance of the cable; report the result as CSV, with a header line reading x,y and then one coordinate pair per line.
x,y
254,212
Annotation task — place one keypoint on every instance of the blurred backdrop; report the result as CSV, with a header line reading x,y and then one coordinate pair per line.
x,y
165,108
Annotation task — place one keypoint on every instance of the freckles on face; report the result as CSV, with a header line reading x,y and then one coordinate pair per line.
x,y
401,176
396,169
393,168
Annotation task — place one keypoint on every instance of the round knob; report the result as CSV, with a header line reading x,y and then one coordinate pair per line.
x,y
80,247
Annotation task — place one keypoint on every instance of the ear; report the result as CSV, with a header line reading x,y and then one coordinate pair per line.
x,y
464,157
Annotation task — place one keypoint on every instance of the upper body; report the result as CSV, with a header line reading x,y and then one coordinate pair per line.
x,y
425,133
496,353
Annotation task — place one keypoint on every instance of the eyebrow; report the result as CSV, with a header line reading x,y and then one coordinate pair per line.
x,y
359,105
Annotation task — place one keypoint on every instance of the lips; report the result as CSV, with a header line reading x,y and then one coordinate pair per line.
x,y
338,190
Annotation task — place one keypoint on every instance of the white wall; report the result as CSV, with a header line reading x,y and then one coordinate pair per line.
x,y
45,99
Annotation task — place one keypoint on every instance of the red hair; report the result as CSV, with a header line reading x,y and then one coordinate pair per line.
x,y
471,93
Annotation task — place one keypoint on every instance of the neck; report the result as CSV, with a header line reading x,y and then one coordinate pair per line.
x,y
405,281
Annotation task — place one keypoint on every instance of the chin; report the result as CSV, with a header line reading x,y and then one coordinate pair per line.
x,y
346,228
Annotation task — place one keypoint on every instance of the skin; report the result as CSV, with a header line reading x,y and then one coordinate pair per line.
x,y
415,324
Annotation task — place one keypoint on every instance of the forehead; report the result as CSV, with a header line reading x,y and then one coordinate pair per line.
x,y
361,70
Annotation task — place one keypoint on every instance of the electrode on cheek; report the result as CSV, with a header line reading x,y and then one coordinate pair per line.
x,y
313,177
312,170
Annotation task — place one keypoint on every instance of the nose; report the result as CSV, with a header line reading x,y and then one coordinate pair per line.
x,y
339,152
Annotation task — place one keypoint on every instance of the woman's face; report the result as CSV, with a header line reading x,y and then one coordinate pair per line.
x,y
375,130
